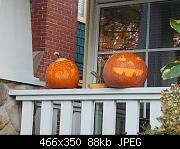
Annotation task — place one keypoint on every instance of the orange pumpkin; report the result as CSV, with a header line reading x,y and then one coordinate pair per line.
x,y
62,73
125,70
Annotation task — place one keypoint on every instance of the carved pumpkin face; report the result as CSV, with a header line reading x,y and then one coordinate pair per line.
x,y
125,70
62,73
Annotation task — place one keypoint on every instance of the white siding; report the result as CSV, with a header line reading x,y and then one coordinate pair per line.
x,y
16,61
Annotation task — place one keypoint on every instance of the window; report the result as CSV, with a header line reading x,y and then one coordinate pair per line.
x,y
82,10
142,28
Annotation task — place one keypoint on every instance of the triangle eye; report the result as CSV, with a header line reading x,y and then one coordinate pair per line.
x,y
138,58
130,63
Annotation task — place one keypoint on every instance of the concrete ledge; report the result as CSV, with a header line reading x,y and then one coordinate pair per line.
x,y
30,81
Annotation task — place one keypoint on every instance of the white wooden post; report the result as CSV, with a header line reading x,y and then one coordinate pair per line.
x,y
132,117
87,118
46,118
109,117
27,117
66,118
155,111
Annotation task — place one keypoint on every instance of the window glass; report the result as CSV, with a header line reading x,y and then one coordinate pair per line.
x,y
81,8
123,27
156,61
161,34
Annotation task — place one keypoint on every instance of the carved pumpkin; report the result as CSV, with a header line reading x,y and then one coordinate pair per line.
x,y
62,73
125,70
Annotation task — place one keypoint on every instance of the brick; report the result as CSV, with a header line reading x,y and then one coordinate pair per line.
x,y
53,29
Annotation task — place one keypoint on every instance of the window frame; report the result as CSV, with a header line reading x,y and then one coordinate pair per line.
x,y
94,35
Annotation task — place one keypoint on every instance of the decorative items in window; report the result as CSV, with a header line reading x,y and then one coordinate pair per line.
x,y
119,28
99,81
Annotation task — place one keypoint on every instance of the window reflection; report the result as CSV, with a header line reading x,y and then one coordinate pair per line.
x,y
124,28
121,27
156,61
161,34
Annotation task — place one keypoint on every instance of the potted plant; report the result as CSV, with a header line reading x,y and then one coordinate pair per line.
x,y
172,70
170,100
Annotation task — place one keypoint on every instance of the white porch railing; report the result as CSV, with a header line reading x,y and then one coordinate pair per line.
x,y
88,97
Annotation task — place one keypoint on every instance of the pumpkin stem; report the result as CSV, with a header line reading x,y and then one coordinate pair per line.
x,y
97,76
58,55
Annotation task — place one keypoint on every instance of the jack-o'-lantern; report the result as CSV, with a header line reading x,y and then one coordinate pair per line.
x,y
62,73
125,70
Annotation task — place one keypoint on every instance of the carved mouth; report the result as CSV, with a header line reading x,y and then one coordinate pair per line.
x,y
128,72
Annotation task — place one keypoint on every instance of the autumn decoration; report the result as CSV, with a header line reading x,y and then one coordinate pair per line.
x,y
170,117
99,82
62,73
125,70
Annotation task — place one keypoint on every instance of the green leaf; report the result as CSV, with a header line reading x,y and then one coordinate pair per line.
x,y
169,65
171,70
175,24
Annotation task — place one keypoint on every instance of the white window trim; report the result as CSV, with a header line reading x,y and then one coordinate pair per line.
x,y
94,35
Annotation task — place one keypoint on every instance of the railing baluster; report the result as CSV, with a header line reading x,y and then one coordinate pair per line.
x,y
155,111
46,118
109,118
132,117
27,117
66,118
87,118
108,96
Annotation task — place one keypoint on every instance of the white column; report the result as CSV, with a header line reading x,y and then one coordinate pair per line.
x,y
87,118
155,112
46,118
27,117
66,118
109,118
132,117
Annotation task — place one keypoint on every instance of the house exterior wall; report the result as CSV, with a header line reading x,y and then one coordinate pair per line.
x,y
15,41
10,109
53,29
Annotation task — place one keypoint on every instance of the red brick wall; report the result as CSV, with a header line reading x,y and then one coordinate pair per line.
x,y
53,29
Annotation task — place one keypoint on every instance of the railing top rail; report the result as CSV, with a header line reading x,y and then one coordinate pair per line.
x,y
86,91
